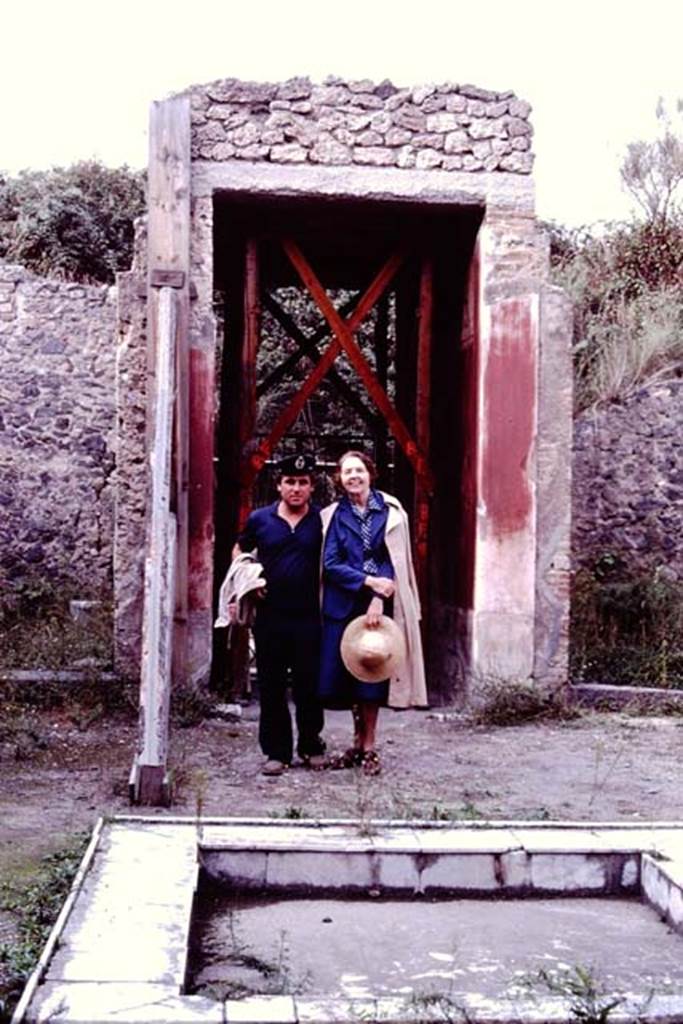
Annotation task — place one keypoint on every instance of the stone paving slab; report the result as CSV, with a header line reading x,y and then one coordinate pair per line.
x,y
123,1002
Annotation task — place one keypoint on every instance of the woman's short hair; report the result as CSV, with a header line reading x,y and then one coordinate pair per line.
x,y
365,459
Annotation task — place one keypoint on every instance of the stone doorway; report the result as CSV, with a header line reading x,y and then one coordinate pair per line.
x,y
414,414
451,181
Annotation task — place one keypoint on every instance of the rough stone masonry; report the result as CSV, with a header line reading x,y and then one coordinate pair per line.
x,y
451,127
57,355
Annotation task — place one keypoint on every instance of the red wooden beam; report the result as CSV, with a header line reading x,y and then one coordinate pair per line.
x,y
290,412
307,346
310,347
343,331
422,424
252,316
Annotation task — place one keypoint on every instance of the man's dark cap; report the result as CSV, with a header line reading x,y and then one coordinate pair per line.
x,y
299,464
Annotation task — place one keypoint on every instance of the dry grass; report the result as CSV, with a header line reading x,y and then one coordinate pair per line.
x,y
639,341
502,703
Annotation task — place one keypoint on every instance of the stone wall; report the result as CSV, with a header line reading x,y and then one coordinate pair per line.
x,y
628,481
56,430
449,127
131,461
553,482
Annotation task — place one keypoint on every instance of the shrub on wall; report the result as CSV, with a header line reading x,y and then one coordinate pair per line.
x,y
625,278
74,223
628,306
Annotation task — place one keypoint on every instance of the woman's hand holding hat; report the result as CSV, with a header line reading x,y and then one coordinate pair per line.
x,y
381,585
374,613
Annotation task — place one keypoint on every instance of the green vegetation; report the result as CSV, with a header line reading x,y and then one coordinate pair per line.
x,y
34,906
39,632
243,973
437,1006
71,222
504,703
624,286
589,1001
626,629
624,280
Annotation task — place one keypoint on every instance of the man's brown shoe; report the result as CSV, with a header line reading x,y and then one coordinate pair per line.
x,y
274,768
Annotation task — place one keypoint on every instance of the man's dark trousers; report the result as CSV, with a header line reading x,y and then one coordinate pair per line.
x,y
288,654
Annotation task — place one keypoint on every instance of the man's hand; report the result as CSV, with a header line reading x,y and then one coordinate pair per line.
x,y
380,585
374,612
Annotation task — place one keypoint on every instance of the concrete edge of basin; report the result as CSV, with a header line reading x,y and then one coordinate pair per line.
x,y
59,925
660,886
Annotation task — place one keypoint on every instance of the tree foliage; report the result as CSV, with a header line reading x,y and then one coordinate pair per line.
x,y
653,171
75,223
625,279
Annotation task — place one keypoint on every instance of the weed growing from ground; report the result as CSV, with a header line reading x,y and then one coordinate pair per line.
x,y
588,999
603,768
35,906
248,974
437,1007
514,703
626,627
37,631
293,813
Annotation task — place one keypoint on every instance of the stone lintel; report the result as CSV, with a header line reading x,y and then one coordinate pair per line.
x,y
495,189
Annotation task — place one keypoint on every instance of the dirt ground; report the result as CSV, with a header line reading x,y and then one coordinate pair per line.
x,y
598,767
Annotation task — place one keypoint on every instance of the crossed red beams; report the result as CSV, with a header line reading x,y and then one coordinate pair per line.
x,y
343,331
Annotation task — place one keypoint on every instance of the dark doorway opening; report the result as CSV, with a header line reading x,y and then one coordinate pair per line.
x,y
418,341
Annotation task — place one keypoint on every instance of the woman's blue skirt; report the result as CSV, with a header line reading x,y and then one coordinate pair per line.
x,y
338,688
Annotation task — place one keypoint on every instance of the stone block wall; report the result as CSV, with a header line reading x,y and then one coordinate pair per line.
x,y
628,481
449,127
57,354
131,462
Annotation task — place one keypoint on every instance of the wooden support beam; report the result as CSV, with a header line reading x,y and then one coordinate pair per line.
x,y
307,346
290,413
344,336
157,626
166,563
422,423
381,340
250,345
168,259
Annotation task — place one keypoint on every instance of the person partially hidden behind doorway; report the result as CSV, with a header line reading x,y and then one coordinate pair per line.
x,y
286,537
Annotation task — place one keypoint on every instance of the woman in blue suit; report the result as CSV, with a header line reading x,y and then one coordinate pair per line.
x,y
366,570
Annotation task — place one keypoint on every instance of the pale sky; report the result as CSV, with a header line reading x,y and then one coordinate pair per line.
x,y
77,78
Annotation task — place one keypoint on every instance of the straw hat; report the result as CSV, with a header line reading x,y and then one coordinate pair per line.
x,y
373,654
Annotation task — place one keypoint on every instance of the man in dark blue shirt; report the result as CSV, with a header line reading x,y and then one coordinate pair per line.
x,y
287,537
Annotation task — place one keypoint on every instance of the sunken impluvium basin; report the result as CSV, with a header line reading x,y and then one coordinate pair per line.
x,y
283,922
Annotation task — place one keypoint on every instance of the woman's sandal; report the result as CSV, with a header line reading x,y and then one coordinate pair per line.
x,y
351,758
370,762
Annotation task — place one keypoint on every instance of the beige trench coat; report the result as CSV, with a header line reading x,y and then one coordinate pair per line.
x,y
408,687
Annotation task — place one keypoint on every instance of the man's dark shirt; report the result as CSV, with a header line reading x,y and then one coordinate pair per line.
x,y
290,559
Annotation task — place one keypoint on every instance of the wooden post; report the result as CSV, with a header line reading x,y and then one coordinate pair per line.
x,y
382,364
252,329
309,346
166,565
422,426
157,624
